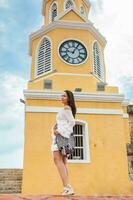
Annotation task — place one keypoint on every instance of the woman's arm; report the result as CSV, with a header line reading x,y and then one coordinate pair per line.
x,y
54,129
66,129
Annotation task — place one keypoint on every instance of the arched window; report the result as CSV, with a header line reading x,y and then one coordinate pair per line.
x,y
82,10
97,60
68,4
53,11
44,56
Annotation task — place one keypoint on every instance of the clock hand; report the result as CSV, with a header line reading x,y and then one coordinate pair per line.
x,y
71,51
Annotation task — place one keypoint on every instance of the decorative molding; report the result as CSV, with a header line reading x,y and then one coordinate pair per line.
x,y
84,96
86,134
62,14
99,111
54,72
88,2
68,25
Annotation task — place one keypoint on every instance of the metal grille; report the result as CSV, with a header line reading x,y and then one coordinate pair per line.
x,y
68,4
48,84
44,57
97,61
131,130
78,153
54,11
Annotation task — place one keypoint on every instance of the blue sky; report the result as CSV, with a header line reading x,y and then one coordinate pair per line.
x,y
17,20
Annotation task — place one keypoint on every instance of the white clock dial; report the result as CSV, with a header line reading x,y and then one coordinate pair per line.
x,y
73,52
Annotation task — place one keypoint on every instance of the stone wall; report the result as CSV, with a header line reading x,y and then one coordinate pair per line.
x,y
10,181
130,146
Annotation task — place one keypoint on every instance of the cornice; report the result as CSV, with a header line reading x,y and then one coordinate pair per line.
x,y
82,96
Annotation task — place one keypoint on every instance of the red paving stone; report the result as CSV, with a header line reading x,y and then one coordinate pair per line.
x,y
58,197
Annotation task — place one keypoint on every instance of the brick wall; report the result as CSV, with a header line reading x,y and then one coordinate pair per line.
x,y
10,181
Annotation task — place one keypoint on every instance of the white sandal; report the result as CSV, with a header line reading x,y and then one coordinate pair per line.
x,y
68,190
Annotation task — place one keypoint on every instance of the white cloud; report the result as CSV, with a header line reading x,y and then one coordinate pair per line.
x,y
4,3
113,19
96,6
12,159
126,84
11,114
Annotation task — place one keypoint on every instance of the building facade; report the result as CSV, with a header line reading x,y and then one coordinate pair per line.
x,y
67,52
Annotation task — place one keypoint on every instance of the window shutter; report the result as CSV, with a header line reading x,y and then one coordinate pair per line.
x,y
97,61
44,57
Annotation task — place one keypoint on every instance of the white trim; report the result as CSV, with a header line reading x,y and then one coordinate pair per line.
x,y
126,102
76,39
86,143
97,77
87,2
68,25
36,56
62,14
64,74
125,115
98,111
101,62
85,12
84,96
50,11
78,161
130,102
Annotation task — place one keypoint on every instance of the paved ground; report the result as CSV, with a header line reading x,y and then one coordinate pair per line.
x,y
57,197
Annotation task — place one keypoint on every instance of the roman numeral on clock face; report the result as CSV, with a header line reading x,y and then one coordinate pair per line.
x,y
73,52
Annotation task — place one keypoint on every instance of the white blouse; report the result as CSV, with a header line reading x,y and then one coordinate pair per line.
x,y
65,122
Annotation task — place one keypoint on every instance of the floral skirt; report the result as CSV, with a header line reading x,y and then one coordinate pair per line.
x,y
54,146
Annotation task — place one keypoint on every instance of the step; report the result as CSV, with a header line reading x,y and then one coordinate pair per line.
x,y
59,197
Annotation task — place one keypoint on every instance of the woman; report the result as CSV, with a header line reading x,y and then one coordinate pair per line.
x,y
64,125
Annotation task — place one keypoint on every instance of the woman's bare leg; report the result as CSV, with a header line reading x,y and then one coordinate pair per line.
x,y
61,167
64,158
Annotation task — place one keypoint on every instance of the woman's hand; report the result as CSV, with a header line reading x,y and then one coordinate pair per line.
x,y
56,132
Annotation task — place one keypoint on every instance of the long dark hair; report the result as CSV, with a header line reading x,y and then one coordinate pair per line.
x,y
71,101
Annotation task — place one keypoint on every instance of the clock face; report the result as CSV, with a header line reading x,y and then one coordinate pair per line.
x,y
73,52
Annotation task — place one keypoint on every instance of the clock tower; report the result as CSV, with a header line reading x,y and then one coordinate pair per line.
x,y
67,52
67,47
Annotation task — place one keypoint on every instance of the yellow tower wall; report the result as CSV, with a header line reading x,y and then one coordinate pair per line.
x,y
107,171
